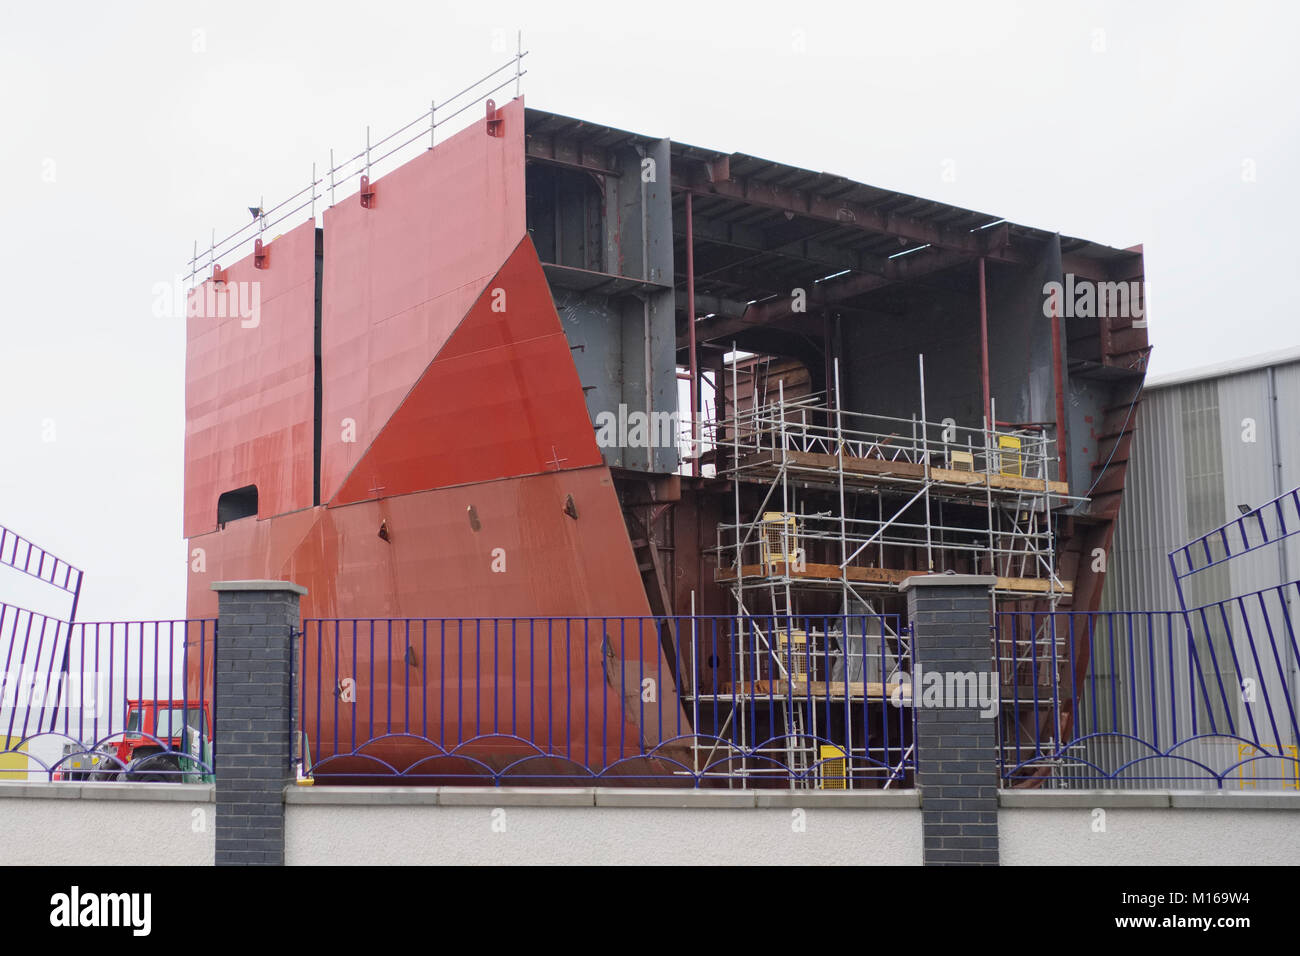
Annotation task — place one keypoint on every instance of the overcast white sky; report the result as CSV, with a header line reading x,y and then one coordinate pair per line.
x,y
121,143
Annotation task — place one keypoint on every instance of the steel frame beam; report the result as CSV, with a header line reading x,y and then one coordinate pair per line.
x,y
568,153
807,250
993,242
831,292
713,179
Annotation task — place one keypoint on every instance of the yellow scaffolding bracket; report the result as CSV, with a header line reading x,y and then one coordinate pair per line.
x,y
833,772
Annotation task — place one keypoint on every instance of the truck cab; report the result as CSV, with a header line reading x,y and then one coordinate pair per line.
x,y
164,741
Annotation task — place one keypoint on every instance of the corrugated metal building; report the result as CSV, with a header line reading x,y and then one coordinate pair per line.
x,y
1208,441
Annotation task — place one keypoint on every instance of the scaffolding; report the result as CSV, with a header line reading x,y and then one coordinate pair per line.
x,y
849,505
807,700
972,500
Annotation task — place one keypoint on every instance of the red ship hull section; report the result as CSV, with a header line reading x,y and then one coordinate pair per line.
x,y
501,399
249,384
453,418
399,278
552,685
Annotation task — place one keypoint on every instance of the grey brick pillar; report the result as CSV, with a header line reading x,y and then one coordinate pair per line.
x,y
954,692
255,717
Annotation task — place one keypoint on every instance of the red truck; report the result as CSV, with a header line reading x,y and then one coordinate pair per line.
x,y
163,741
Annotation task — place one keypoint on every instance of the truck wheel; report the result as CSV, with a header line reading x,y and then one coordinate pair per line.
x,y
161,768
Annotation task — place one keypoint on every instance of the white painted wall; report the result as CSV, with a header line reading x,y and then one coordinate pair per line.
x,y
599,835
159,824
1145,836
106,824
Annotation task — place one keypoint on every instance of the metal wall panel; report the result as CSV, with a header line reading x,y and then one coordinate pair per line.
x,y
250,384
880,373
1152,519
1251,478
1286,401
1286,384
1163,470
1203,447
1020,341
399,277
438,561
1249,455
501,399
644,216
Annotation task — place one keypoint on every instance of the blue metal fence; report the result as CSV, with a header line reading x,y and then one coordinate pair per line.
x,y
122,700
29,558
1151,699
1268,525
1199,697
693,701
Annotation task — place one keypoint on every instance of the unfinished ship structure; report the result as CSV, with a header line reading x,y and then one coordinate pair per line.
x,y
545,369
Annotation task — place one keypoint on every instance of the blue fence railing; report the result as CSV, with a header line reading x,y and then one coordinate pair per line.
x,y
107,701
1111,699
692,701
29,558
1269,524
1142,699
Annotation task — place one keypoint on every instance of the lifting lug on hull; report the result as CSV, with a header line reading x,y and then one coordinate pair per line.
x,y
495,121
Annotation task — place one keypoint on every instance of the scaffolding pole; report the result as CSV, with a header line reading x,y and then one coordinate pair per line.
x,y
740,565
925,452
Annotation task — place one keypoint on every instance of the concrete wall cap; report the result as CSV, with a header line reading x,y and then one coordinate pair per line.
x,y
362,796
627,798
1081,799
516,797
948,580
1218,799
841,799
674,797
259,586
110,790
1176,799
